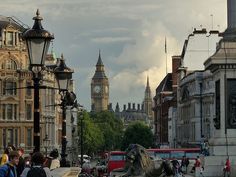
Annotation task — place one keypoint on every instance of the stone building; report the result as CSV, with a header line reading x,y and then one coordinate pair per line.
x,y
132,114
16,94
165,98
195,108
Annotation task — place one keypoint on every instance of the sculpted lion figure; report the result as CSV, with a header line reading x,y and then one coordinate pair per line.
x,y
138,163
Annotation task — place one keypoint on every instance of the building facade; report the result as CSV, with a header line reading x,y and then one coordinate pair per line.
x,y
195,108
131,114
165,99
16,100
99,88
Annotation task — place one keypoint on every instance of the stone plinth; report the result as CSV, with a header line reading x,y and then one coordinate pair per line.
x,y
66,172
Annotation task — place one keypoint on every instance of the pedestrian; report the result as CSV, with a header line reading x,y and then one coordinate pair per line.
x,y
176,166
227,168
197,164
4,158
9,168
184,164
55,162
37,169
21,165
206,151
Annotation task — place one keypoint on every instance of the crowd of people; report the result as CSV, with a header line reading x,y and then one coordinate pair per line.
x,y
13,163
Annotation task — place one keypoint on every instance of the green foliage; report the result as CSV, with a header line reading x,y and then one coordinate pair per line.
x,y
138,133
101,132
92,135
112,129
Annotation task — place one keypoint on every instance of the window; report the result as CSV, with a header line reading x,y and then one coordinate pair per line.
x,y
4,137
9,111
9,88
29,137
28,111
16,137
9,64
10,136
9,38
28,90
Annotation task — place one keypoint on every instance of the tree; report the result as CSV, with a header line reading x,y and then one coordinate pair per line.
x,y
112,129
138,133
93,137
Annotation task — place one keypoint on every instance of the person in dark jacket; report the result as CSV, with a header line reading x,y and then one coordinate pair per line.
x,y
21,165
9,169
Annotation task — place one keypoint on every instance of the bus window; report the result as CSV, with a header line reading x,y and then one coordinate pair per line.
x,y
177,154
163,155
192,155
116,159
170,153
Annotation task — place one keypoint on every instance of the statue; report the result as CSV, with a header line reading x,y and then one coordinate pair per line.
x,y
138,163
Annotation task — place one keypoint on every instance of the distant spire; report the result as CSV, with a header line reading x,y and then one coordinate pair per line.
x,y
99,59
166,54
148,81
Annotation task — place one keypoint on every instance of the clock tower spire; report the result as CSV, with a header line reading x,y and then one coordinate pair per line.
x,y
99,88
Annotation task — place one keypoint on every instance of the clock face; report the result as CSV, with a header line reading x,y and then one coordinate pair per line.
x,y
97,89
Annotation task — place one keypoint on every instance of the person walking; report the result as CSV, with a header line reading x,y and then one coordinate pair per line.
x,y
9,168
5,158
227,168
197,165
37,169
21,165
55,162
177,167
184,164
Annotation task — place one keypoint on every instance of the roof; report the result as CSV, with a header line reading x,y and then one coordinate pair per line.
x,y
6,21
100,73
166,84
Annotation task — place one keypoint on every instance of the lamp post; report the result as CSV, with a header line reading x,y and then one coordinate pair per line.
x,y
46,142
37,41
63,76
81,141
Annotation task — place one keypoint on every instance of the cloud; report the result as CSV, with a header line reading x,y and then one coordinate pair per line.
x,y
130,33
111,39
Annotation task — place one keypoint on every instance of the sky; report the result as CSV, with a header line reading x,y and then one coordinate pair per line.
x,y
130,34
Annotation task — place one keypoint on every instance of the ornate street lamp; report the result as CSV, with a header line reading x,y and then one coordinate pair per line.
x,y
37,41
63,76
46,142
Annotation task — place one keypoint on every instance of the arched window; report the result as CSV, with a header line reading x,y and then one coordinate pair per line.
x,y
9,65
9,87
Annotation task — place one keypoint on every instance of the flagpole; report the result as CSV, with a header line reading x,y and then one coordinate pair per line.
x,y
166,54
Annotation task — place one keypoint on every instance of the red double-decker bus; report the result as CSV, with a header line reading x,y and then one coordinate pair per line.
x,y
116,159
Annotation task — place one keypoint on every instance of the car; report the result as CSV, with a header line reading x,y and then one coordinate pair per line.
x,y
86,158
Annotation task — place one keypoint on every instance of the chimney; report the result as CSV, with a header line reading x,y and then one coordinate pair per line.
x,y
133,106
124,106
176,63
129,106
138,107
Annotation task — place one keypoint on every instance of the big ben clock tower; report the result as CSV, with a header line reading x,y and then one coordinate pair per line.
x,y
99,88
